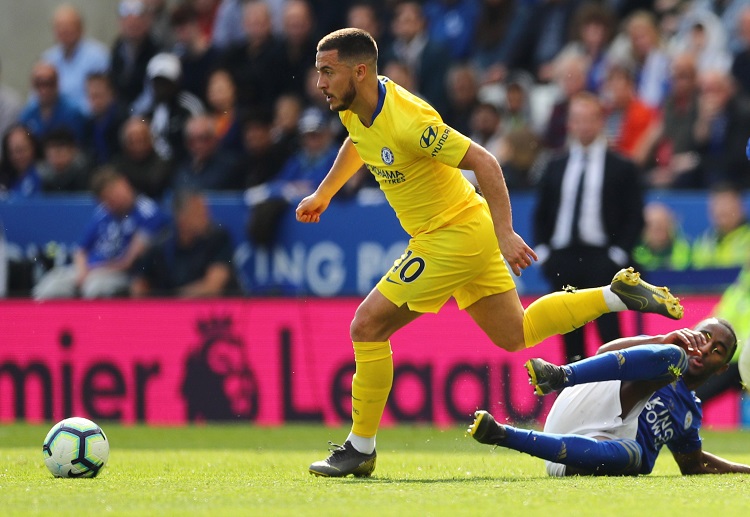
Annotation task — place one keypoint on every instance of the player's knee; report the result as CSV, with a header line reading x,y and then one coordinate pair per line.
x,y
362,329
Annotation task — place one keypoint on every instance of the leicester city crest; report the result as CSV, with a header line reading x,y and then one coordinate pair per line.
x,y
387,156
688,420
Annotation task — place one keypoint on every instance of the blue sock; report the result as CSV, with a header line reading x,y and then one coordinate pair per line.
x,y
639,363
597,457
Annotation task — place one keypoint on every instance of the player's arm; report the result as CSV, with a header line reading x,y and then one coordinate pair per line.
x,y
702,462
686,338
347,163
492,182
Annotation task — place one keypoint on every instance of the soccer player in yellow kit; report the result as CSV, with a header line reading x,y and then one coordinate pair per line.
x,y
456,237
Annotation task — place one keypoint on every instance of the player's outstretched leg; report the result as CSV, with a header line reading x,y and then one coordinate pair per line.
x,y
639,295
638,363
563,311
345,460
616,457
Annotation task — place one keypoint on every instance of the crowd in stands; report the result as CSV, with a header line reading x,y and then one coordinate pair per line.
x,y
220,95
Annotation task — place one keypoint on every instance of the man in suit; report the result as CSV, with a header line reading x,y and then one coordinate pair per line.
x,y
589,213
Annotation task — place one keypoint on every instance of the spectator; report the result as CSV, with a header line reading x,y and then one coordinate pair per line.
x,y
171,107
48,109
571,70
138,161
252,61
630,121
453,23
228,30
412,45
726,243
589,213
499,29
728,11
161,30
101,134
741,61
193,260
19,165
486,130
298,178
641,49
463,97
205,167
73,56
298,43
65,167
400,74
704,38
365,15
287,111
671,144
131,51
262,157
593,30
719,134
206,11
544,35
10,108
662,245
198,57
122,226
222,105
516,109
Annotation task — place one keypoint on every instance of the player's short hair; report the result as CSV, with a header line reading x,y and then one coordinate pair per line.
x,y
352,45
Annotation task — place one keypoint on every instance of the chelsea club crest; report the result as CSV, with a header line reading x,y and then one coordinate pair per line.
x,y
387,156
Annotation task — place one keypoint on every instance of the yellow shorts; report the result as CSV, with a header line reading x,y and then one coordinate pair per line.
x,y
462,260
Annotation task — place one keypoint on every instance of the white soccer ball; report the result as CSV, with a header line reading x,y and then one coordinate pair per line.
x,y
744,365
75,447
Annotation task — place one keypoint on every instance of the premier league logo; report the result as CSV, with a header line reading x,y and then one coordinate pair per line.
x,y
387,156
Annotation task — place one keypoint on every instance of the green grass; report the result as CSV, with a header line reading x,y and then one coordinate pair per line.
x,y
244,470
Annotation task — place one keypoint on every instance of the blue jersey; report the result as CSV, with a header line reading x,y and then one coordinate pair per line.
x,y
108,237
672,417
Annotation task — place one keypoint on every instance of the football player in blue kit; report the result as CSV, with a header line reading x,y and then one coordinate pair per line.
x,y
618,408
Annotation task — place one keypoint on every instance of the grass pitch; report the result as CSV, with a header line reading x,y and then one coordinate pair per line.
x,y
245,470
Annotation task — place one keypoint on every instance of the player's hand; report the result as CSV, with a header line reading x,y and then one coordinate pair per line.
x,y
310,208
515,250
688,339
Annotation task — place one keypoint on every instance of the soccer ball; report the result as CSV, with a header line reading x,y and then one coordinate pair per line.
x,y
75,447
744,365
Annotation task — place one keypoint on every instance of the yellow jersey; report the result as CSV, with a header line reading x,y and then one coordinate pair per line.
x,y
414,156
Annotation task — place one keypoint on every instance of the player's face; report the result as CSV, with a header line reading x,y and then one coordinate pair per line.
x,y
714,353
335,80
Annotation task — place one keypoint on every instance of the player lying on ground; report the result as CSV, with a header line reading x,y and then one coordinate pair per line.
x,y
456,237
618,408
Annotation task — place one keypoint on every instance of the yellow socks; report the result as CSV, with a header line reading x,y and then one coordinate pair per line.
x,y
371,385
561,312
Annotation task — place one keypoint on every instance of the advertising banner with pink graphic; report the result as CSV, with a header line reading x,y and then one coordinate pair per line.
x,y
266,361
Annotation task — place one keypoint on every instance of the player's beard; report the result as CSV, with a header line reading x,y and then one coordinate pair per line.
x,y
346,98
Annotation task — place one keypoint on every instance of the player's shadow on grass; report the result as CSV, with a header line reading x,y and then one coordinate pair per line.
x,y
426,481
